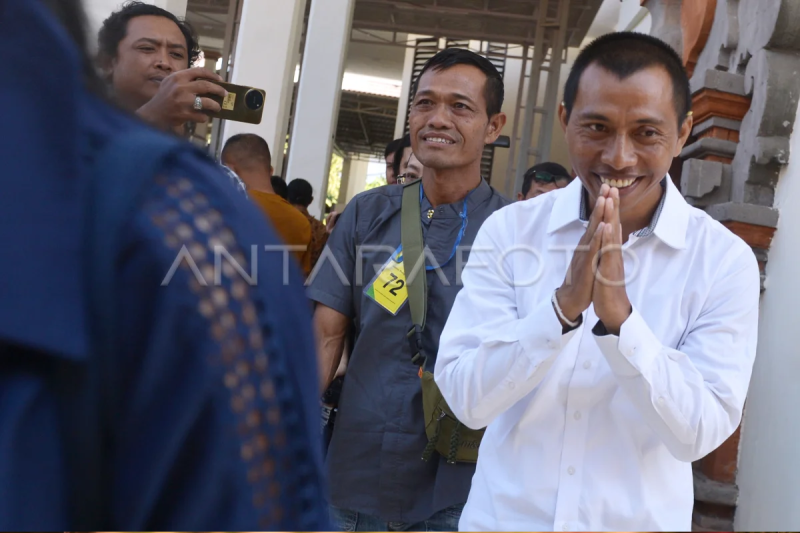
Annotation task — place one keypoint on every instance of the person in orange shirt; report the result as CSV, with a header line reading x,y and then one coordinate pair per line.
x,y
249,157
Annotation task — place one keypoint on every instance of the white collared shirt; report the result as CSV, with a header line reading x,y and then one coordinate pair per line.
x,y
591,432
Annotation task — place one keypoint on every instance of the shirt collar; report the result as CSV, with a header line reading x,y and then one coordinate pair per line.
x,y
669,222
475,197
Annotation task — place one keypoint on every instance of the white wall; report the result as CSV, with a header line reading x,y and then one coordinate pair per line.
x,y
769,460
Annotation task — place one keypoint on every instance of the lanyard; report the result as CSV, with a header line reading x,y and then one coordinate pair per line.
x,y
463,216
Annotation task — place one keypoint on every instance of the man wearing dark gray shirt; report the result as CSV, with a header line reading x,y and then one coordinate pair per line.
x,y
378,480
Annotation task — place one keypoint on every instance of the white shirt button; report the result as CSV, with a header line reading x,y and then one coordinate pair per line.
x,y
577,415
571,470
510,385
565,527
587,365
661,400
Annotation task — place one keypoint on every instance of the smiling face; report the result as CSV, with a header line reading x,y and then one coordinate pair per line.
x,y
153,48
448,120
624,133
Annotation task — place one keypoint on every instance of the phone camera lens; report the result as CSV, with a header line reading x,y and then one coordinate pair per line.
x,y
254,100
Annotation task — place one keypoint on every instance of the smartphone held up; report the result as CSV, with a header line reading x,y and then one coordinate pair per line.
x,y
243,104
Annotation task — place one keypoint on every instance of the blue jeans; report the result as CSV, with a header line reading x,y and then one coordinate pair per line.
x,y
444,520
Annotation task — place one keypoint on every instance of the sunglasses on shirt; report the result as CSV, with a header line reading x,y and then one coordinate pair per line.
x,y
545,177
402,179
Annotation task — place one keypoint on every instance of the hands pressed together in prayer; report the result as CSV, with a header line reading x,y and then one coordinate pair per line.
x,y
596,274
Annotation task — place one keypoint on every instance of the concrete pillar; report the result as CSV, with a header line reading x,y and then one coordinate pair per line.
x,y
267,51
319,92
357,180
344,185
176,7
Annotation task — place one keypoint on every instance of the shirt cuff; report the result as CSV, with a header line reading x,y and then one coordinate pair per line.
x,y
541,334
632,353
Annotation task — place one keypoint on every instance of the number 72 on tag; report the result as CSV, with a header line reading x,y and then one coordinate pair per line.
x,y
388,289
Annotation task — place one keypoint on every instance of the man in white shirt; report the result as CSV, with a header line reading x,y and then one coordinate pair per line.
x,y
599,390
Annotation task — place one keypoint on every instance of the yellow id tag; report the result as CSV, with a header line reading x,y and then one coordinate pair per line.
x,y
388,289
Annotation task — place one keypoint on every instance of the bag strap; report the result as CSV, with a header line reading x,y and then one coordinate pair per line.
x,y
416,282
119,177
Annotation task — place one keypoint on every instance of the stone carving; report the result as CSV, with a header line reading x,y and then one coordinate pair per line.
x,y
666,17
722,40
746,89
697,17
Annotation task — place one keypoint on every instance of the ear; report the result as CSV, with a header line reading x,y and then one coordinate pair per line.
x,y
495,127
562,117
683,133
106,67
520,197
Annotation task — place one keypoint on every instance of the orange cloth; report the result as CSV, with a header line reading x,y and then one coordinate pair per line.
x,y
319,236
293,227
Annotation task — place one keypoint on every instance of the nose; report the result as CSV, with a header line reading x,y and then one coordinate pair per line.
x,y
162,63
440,118
619,153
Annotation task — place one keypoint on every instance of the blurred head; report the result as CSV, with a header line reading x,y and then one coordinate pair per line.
x,y
542,178
626,116
300,192
456,110
410,167
139,46
279,187
401,152
389,155
248,155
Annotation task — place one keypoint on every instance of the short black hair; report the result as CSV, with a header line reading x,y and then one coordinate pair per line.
x,y
493,91
405,142
280,187
300,192
248,150
115,29
551,168
626,53
392,147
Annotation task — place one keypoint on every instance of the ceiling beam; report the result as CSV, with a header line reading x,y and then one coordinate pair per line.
x,y
444,10
452,33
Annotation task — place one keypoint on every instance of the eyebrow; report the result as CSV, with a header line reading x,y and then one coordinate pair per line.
x,y
156,42
456,96
603,118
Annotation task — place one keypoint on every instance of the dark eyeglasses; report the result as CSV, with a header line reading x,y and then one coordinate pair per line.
x,y
545,177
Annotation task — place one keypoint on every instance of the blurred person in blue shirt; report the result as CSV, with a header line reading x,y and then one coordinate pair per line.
x,y
205,414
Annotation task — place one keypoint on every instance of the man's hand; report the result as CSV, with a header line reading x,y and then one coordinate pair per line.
x,y
173,104
575,294
610,298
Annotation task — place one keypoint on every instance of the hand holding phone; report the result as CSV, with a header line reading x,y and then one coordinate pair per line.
x,y
173,104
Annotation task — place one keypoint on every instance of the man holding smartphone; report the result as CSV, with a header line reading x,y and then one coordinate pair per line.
x,y
145,54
